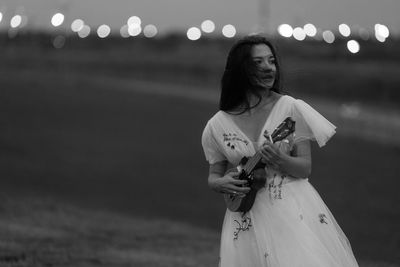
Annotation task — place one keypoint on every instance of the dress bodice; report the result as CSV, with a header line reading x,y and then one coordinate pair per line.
x,y
223,140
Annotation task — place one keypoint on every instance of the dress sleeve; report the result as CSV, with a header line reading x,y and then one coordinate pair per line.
x,y
311,125
210,146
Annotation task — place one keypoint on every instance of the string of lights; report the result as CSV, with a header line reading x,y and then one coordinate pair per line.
x,y
134,27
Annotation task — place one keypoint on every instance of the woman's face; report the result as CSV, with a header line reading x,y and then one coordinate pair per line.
x,y
264,61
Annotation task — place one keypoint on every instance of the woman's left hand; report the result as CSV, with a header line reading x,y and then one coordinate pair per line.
x,y
272,155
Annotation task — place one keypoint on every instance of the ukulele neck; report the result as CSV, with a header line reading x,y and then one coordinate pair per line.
x,y
252,162
283,130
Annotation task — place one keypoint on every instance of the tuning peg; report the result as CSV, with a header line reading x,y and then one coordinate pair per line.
x,y
266,134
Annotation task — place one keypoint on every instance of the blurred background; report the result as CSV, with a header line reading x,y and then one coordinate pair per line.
x,y
102,107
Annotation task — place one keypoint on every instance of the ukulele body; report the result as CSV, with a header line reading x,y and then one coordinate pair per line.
x,y
255,180
253,170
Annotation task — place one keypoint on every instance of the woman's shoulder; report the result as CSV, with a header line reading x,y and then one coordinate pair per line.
x,y
285,102
215,120
286,98
215,117
292,101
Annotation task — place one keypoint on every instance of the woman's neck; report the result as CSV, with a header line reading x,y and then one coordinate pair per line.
x,y
267,97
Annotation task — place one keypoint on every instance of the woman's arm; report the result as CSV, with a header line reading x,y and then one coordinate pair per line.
x,y
225,183
297,164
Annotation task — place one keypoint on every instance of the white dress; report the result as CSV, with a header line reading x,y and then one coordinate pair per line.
x,y
289,225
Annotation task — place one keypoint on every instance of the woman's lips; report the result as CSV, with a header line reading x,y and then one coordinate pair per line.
x,y
266,75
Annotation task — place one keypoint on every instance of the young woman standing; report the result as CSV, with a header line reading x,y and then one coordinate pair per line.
x,y
288,225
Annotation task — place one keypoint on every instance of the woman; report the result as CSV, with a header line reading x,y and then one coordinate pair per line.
x,y
288,224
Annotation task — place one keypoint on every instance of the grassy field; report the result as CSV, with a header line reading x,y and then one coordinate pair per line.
x,y
45,232
140,155
81,153
38,232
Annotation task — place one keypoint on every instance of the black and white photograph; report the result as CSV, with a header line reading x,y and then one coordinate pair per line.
x,y
172,133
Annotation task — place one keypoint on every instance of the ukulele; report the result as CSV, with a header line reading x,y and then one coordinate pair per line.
x,y
253,170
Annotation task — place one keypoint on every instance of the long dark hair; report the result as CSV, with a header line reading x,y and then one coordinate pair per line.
x,y
237,83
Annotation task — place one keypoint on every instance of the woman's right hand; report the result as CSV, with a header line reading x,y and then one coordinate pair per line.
x,y
230,184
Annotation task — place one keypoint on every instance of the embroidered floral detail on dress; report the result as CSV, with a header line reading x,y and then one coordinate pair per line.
x,y
231,139
243,225
275,186
322,218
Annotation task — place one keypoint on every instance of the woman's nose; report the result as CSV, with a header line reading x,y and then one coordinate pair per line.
x,y
267,65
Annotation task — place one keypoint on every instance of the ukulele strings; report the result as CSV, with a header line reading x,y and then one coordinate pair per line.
x,y
279,133
255,159
252,162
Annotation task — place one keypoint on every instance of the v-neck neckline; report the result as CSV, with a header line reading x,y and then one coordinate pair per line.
x,y
262,128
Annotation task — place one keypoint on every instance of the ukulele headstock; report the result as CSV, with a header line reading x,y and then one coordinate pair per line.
x,y
284,129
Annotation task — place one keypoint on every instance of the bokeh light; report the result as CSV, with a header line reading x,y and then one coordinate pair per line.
x,y
310,30
57,19
134,29
84,32
134,20
1,16
208,26
379,33
353,46
379,37
229,31
382,30
285,30
124,31
344,30
77,25
59,41
103,31
15,21
150,31
328,36
193,33
299,34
